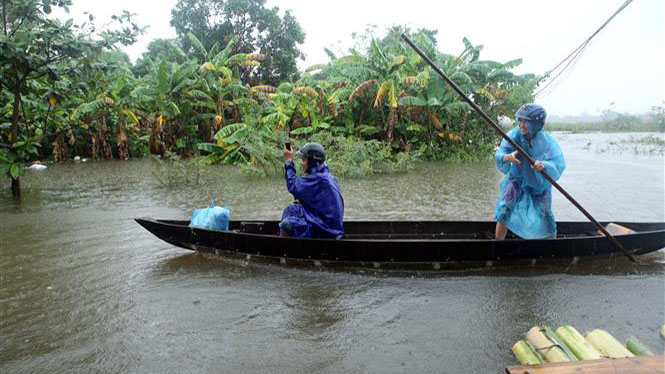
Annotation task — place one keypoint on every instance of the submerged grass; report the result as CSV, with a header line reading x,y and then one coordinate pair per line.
x,y
173,172
350,157
649,145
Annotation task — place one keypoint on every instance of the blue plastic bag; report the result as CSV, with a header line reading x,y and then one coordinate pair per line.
x,y
211,218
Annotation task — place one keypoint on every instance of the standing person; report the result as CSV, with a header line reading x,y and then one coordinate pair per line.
x,y
318,211
525,197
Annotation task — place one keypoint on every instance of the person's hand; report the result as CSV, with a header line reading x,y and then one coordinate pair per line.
x,y
512,157
538,166
288,154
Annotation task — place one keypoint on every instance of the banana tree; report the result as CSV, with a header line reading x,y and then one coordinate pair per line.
x,y
220,80
300,107
251,142
157,94
111,111
384,83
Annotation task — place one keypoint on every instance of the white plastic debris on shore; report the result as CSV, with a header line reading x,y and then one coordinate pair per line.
x,y
37,167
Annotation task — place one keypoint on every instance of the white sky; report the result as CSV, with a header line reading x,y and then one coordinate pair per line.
x,y
624,64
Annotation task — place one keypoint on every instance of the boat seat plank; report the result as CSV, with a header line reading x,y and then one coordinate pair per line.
x,y
629,365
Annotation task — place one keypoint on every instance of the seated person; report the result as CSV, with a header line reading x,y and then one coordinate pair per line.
x,y
319,207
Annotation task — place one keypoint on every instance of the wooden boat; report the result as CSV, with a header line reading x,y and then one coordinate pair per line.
x,y
402,244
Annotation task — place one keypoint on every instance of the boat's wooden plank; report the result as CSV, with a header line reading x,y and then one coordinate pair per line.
x,y
630,365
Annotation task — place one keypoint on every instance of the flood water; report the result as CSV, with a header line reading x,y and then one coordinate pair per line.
x,y
84,289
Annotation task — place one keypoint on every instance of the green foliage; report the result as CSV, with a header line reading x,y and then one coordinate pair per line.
x,y
378,109
350,157
257,27
36,52
175,172
11,157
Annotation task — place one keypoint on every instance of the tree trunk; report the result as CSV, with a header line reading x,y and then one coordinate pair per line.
x,y
392,117
16,190
16,183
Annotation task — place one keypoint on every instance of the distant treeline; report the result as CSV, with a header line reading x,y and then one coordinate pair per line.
x,y
617,122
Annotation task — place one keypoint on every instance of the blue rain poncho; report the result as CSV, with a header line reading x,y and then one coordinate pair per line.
x,y
524,205
319,211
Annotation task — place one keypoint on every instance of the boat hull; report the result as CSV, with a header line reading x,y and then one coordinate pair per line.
x,y
432,244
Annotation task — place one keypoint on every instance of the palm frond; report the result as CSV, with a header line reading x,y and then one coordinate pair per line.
x,y
396,62
200,48
178,51
348,59
200,95
422,78
229,130
359,72
209,147
303,130
512,63
237,88
500,75
224,54
305,90
456,106
362,88
249,63
131,116
89,108
378,100
486,94
409,79
275,118
263,88
236,59
330,54
162,78
435,121
412,101
332,106
206,67
256,57
212,52
460,77
341,94
187,83
172,109
315,67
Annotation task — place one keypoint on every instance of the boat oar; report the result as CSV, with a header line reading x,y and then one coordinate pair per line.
x,y
516,146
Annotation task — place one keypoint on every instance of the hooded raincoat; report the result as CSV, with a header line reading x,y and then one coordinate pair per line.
x,y
319,212
524,205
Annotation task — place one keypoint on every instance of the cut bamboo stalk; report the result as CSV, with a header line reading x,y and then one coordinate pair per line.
x,y
637,347
607,345
582,349
548,349
526,354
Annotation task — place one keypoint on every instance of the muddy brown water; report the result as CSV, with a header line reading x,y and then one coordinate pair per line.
x,y
84,289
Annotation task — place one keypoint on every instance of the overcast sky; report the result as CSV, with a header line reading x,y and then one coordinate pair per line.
x,y
623,65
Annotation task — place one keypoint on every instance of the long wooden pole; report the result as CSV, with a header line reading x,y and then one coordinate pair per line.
x,y
516,146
